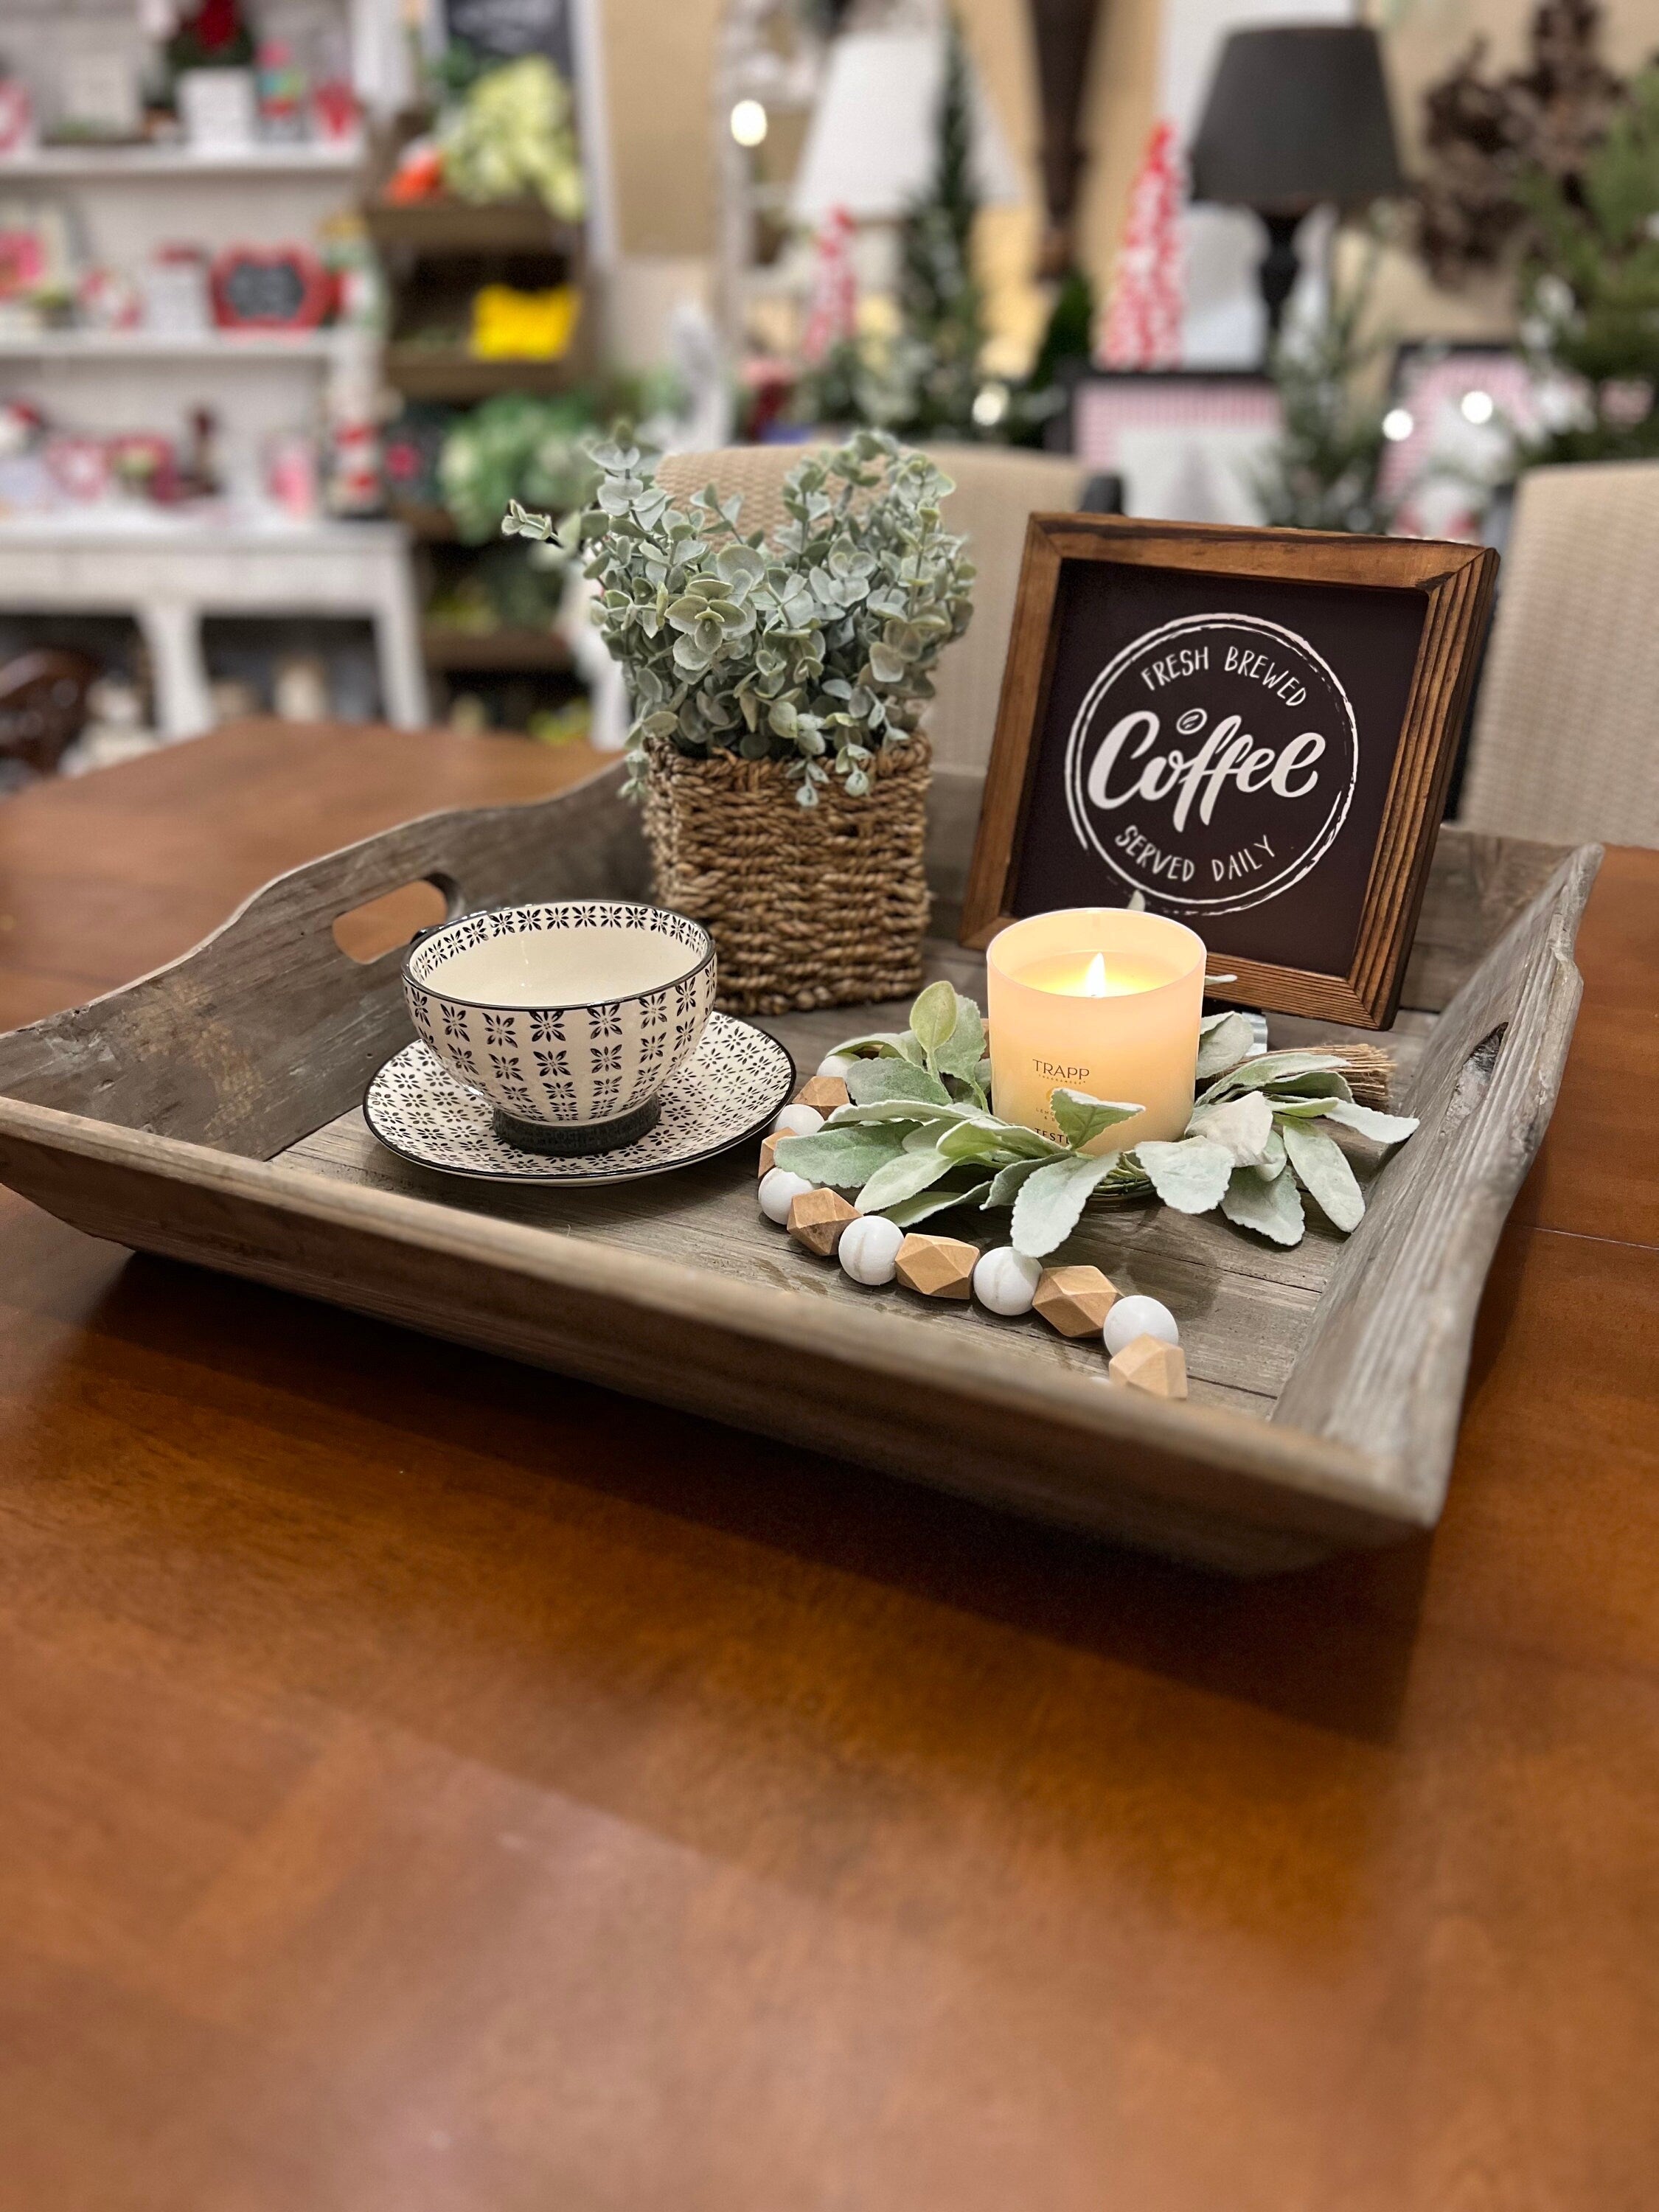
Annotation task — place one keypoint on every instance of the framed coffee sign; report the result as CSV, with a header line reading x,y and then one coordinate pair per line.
x,y
1253,729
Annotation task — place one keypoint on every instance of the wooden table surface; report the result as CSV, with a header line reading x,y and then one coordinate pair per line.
x,y
433,1786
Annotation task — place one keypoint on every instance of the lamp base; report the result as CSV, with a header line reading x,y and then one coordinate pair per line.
x,y
1278,270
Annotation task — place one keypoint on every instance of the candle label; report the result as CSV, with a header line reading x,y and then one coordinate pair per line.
x,y
1212,764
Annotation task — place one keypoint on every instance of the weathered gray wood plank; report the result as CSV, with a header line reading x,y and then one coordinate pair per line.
x,y
1387,1354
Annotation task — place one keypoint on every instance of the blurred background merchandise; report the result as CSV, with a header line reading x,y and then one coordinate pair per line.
x,y
295,294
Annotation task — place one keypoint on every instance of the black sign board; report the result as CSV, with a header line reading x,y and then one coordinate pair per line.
x,y
1250,729
504,29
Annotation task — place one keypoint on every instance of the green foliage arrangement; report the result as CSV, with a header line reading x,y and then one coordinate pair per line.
x,y
920,1138
510,132
814,648
1324,469
515,446
1592,289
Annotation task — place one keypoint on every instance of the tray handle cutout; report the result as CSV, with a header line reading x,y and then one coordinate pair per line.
x,y
382,926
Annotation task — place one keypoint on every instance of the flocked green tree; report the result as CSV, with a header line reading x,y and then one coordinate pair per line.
x,y
1324,469
939,298
1592,289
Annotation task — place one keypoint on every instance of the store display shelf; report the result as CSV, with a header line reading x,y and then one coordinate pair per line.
x,y
424,372
125,165
156,345
454,226
443,646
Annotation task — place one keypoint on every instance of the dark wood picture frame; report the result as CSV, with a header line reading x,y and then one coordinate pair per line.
x,y
1455,582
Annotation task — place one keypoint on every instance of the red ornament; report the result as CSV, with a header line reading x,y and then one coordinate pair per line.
x,y
832,311
1143,316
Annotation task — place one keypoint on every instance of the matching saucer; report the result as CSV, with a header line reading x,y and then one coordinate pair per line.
x,y
729,1090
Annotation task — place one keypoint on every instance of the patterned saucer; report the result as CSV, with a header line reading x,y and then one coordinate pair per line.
x,y
729,1089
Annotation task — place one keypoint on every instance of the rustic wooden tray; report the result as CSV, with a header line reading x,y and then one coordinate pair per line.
x,y
212,1112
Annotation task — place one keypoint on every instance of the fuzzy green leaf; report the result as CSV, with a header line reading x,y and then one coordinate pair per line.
x,y
1081,1118
1322,1167
871,1081
881,1044
1224,1040
933,1016
843,1159
1271,1069
1051,1201
1382,1128
964,1050
1273,1208
901,1178
901,1109
910,1211
1191,1175
1007,1183
1242,1125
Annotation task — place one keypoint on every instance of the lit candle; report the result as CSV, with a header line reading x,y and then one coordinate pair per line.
x,y
1101,999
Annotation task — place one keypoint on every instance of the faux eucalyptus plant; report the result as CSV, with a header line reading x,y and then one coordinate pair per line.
x,y
920,1138
814,647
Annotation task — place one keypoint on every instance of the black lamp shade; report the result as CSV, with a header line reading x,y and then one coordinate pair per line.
x,y
1297,115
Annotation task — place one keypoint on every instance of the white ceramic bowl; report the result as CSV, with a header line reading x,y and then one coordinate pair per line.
x,y
568,1017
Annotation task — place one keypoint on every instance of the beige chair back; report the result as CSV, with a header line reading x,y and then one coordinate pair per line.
x,y
996,489
1566,736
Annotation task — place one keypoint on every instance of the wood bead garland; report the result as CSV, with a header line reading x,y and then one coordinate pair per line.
x,y
779,1190
869,1249
817,1219
798,1122
1074,1300
1006,1280
1149,1363
1138,1316
823,1094
937,1267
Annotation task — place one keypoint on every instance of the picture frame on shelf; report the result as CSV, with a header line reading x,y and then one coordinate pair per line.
x,y
1252,729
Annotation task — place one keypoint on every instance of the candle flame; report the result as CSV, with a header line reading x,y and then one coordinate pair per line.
x,y
1094,983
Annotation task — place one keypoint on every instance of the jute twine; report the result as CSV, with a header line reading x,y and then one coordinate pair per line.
x,y
820,906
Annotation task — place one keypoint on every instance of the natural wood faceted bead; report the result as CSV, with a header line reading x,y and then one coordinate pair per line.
x,y
938,1266
826,1093
818,1218
1149,1363
1074,1300
769,1158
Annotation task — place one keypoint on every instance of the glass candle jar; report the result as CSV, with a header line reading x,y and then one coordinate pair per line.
x,y
1100,1000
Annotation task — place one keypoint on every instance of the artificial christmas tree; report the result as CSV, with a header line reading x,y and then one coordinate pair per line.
x,y
1143,316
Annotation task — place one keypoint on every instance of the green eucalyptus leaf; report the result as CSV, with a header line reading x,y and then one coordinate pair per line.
x,y
1081,1119
1322,1166
1273,1208
1191,1175
1051,1202
871,1081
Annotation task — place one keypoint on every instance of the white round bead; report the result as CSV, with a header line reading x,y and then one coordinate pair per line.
x,y
869,1249
1006,1281
834,1065
1133,1317
798,1122
778,1189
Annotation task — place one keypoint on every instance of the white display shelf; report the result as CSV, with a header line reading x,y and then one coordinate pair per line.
x,y
154,345
126,164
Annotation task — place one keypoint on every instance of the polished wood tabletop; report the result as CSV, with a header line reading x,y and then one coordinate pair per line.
x,y
430,1785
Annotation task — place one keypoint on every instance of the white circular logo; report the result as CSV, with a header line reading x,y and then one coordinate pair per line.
x,y
1212,764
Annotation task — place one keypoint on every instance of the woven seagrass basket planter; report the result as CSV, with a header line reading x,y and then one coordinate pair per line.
x,y
819,906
